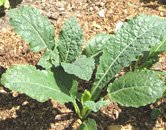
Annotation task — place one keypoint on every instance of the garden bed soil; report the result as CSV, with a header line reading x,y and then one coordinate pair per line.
x,y
19,112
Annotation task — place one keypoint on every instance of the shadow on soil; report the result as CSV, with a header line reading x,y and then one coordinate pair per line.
x,y
139,118
2,70
14,3
2,11
154,6
39,116
30,116
159,1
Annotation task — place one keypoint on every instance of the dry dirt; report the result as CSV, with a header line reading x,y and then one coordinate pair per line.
x,y
19,112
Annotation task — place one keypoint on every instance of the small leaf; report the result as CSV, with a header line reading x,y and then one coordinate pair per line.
x,y
70,41
97,44
155,113
137,88
40,85
45,60
49,58
96,106
33,27
89,124
83,67
86,96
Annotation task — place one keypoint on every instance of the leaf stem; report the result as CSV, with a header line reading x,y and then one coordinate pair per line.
x,y
77,110
85,112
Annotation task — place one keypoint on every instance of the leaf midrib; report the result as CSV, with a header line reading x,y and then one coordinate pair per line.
x,y
69,48
124,89
35,31
40,85
120,55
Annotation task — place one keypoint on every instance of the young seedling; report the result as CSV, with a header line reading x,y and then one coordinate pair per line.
x,y
65,61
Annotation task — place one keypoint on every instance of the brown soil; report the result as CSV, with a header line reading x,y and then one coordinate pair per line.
x,y
19,112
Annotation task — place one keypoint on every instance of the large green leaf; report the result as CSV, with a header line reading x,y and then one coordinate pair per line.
x,y
70,41
136,36
97,44
89,124
33,27
40,85
83,67
137,88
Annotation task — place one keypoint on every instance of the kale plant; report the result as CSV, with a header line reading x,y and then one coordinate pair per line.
x,y
65,63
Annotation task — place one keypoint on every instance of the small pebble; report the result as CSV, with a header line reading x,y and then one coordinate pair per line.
x,y
102,13
118,25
